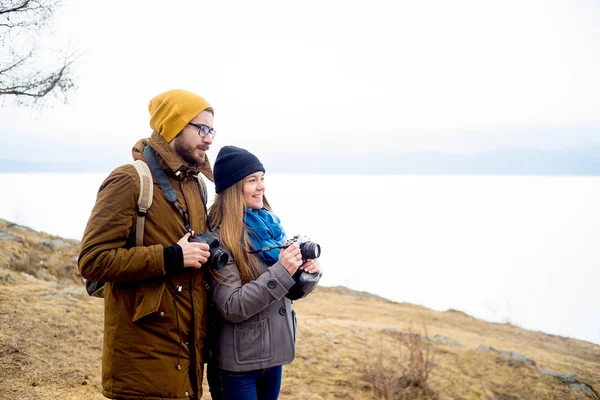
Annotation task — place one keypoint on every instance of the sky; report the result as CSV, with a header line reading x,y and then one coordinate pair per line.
x,y
462,77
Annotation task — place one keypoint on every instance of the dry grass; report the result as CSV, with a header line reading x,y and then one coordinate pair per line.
x,y
51,339
348,329
401,372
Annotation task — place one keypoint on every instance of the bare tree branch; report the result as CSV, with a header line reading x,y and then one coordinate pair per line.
x,y
16,63
7,9
25,6
40,87
21,74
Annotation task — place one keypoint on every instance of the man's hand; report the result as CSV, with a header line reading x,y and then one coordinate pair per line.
x,y
194,254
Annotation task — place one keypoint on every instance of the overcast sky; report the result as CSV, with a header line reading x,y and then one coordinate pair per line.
x,y
327,76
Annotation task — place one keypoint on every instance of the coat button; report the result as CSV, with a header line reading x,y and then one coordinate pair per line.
x,y
282,311
271,284
162,313
187,394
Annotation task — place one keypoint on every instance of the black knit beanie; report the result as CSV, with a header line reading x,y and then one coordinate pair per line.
x,y
232,165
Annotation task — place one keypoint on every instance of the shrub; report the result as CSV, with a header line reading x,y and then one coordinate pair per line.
x,y
402,372
28,262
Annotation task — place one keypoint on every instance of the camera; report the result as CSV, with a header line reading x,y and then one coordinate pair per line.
x,y
304,282
218,258
309,250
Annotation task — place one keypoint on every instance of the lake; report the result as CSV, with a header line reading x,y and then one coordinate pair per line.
x,y
518,249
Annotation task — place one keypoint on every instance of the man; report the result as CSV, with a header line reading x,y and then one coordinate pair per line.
x,y
155,312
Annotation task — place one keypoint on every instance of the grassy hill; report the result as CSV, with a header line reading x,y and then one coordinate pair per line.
x,y
351,345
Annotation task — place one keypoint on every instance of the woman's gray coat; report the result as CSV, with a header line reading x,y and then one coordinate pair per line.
x,y
255,323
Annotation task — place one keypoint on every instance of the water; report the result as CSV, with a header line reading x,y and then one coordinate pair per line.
x,y
513,249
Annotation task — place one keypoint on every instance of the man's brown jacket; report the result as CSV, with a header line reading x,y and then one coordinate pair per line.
x,y
154,323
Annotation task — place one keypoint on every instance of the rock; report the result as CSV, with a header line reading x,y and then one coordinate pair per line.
x,y
445,340
8,236
50,296
575,383
519,358
393,332
565,378
585,389
73,290
8,278
16,227
54,243
511,357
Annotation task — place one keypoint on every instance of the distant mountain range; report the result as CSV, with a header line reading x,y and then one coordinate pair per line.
x,y
56,166
572,161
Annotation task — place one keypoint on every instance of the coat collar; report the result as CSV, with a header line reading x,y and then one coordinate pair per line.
x,y
173,165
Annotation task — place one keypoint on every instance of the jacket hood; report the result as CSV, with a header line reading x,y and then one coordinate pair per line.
x,y
170,160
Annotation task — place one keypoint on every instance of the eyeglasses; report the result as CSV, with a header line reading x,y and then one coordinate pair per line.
x,y
204,131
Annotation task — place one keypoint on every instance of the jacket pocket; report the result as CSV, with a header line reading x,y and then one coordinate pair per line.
x,y
148,297
253,341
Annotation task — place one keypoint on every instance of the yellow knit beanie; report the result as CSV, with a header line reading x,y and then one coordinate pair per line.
x,y
171,111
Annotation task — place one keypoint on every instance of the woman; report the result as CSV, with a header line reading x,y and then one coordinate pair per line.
x,y
255,324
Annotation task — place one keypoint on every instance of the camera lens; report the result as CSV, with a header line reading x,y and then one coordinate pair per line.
x,y
310,250
219,258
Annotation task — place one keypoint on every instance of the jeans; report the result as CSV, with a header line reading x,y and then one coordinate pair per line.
x,y
263,384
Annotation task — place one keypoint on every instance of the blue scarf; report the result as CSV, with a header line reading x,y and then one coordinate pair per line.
x,y
264,230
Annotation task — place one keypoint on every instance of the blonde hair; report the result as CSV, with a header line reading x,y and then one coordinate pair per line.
x,y
227,215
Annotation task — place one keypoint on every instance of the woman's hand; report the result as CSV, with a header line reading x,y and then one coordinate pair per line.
x,y
311,266
291,258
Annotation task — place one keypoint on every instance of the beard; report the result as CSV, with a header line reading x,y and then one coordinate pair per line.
x,y
187,152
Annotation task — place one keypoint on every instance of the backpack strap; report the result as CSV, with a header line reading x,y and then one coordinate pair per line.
x,y
96,289
203,190
144,199
165,185
203,195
